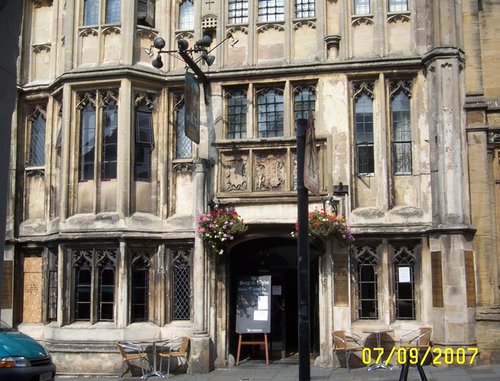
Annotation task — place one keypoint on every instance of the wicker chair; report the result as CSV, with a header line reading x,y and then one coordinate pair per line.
x,y
347,343
419,338
177,348
130,352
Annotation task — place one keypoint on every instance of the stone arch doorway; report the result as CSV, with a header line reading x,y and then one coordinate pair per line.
x,y
277,257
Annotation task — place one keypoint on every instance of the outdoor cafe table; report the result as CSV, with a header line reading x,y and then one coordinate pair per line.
x,y
378,335
154,371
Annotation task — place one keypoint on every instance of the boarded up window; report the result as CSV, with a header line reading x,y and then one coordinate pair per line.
x,y
7,285
470,279
341,281
437,279
32,289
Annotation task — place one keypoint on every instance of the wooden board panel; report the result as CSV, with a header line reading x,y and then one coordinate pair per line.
x,y
32,287
437,279
341,281
7,285
470,279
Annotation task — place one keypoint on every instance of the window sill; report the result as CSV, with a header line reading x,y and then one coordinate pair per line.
x,y
33,171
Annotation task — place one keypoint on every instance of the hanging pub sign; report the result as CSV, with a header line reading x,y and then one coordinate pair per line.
x,y
192,104
253,304
311,160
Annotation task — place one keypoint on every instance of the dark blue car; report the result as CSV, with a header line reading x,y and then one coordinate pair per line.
x,y
23,359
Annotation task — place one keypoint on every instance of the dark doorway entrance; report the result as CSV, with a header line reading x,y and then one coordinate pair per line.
x,y
276,257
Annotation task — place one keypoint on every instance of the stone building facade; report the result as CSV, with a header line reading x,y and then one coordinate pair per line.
x,y
105,187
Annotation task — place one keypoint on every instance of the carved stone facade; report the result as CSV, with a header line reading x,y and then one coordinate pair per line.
x,y
105,187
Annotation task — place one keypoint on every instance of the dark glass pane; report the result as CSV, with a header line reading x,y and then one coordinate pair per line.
x,y
87,144
405,310
84,277
368,309
365,159
367,273
82,311
367,291
106,312
140,293
83,293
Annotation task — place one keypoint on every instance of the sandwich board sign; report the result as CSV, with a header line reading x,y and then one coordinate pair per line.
x,y
253,305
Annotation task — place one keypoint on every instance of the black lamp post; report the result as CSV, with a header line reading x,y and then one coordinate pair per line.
x,y
303,266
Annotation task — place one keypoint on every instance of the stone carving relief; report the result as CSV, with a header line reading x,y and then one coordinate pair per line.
x,y
363,87
304,23
235,175
265,27
111,30
358,20
401,17
270,172
88,31
403,85
237,28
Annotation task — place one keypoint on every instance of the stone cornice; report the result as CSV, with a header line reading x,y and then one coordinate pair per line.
x,y
442,53
160,78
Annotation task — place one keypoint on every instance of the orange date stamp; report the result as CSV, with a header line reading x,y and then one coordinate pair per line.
x,y
414,356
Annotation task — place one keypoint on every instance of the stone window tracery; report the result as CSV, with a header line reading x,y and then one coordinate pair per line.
x,y
37,137
94,284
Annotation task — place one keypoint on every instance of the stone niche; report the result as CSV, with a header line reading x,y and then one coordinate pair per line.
x,y
363,31
237,53
304,41
399,34
270,43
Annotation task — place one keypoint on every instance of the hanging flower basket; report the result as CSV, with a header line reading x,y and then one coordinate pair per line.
x,y
218,228
325,225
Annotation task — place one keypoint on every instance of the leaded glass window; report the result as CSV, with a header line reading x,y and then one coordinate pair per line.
x,y
143,143
238,11
181,284
366,263
236,114
91,12
183,145
364,135
361,7
87,142
109,142
404,282
140,274
37,138
270,112
271,10
112,12
398,5
401,133
94,284
304,8
304,101
186,15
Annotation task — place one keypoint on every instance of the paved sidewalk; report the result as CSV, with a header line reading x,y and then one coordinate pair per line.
x,y
257,371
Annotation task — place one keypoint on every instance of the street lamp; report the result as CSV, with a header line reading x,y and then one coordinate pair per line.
x,y
201,46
